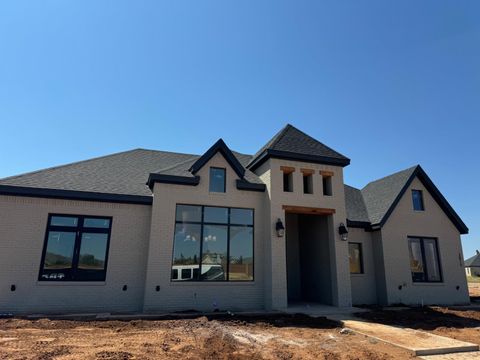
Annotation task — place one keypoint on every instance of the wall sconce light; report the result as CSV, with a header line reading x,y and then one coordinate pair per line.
x,y
280,228
342,230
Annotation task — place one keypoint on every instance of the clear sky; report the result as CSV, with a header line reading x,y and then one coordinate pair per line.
x,y
389,84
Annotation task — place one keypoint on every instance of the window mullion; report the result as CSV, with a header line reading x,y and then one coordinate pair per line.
x,y
227,277
424,258
201,248
76,252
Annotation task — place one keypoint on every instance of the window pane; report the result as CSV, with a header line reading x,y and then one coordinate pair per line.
x,y
241,216
417,197
188,213
186,248
241,253
416,261
216,215
214,254
64,221
355,258
93,250
96,223
217,180
433,267
59,252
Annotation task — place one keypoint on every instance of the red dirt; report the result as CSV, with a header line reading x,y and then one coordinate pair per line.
x,y
273,337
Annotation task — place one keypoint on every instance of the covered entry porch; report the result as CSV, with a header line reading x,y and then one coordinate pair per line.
x,y
310,256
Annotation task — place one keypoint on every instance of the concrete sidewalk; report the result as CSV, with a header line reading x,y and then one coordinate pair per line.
x,y
420,343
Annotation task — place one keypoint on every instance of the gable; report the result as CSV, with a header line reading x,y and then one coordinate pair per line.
x,y
434,215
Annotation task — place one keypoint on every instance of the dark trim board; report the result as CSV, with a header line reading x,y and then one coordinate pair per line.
x,y
74,195
172,179
245,185
221,147
285,155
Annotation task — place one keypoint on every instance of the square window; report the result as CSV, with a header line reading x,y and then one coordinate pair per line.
x,y
219,247
217,180
417,198
355,257
76,249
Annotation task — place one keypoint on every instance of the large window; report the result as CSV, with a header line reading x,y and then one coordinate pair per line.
x,y
424,260
417,198
212,244
217,180
355,257
76,248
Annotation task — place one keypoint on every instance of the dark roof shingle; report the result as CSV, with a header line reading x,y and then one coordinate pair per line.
x,y
293,143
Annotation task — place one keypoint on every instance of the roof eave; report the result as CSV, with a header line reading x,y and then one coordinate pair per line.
x,y
9,190
245,185
172,179
286,155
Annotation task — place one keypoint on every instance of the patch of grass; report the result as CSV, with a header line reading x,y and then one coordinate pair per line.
x,y
473,279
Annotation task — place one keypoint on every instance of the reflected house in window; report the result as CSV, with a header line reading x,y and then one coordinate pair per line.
x,y
160,231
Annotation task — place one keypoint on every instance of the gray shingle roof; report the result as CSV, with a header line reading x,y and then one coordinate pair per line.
x,y
474,261
380,195
292,142
121,173
355,205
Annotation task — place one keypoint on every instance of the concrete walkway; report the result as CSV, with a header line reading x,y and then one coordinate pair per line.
x,y
457,356
420,343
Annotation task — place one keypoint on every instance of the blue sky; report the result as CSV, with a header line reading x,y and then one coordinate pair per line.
x,y
389,84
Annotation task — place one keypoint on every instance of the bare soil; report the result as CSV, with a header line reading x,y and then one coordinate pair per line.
x,y
454,323
234,337
474,289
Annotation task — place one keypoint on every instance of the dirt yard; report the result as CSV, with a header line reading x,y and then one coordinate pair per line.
x,y
275,337
457,324
474,288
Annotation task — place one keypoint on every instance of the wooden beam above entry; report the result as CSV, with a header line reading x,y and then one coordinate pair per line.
x,y
326,173
307,210
287,169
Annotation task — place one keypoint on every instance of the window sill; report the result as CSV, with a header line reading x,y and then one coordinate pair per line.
x,y
71,283
212,283
358,275
428,284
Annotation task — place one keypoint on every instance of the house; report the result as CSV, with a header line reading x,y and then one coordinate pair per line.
x,y
472,265
154,231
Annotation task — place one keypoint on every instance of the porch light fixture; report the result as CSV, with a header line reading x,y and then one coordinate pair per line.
x,y
342,230
280,228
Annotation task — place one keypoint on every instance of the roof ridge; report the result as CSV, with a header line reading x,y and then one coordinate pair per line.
x,y
166,151
69,164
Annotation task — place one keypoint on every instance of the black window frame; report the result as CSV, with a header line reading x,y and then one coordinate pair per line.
x,y
224,179
424,259
422,202
228,224
75,274
360,247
